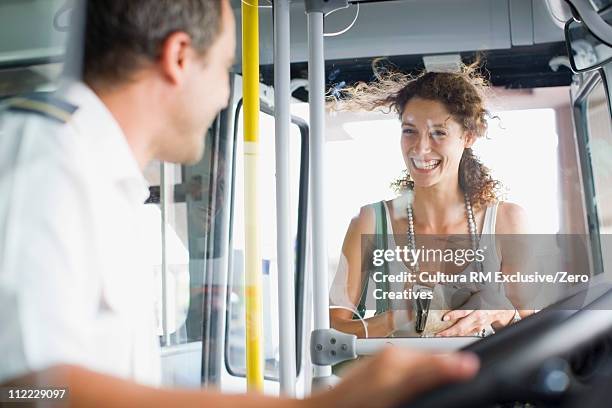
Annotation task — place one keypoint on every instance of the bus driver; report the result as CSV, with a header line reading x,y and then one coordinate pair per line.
x,y
74,310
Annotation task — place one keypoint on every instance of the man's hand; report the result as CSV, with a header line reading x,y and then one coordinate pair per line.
x,y
397,375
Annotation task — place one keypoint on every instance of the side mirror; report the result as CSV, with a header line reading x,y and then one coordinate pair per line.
x,y
586,51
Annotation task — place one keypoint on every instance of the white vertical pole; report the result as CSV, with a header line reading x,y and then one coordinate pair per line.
x,y
316,81
165,187
284,241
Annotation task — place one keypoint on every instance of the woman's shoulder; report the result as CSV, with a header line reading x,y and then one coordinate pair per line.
x,y
364,221
511,219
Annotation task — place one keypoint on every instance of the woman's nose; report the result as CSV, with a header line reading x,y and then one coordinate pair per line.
x,y
422,145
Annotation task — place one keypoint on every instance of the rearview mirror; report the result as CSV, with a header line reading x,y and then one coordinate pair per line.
x,y
586,51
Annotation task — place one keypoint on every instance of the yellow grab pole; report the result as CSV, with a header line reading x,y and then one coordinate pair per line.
x,y
252,289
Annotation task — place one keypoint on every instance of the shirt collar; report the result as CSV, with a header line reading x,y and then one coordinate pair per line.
x,y
94,121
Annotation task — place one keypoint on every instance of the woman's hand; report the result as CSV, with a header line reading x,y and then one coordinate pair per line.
x,y
483,309
473,322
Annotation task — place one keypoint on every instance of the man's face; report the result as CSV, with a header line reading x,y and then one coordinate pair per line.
x,y
202,95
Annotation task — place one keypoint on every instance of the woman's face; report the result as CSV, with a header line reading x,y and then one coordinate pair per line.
x,y
432,142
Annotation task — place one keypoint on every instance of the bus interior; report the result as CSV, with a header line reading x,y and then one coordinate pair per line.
x,y
549,64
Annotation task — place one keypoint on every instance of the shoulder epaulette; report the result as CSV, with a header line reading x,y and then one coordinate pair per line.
x,y
44,104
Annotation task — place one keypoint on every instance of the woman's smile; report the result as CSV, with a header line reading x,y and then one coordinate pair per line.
x,y
424,165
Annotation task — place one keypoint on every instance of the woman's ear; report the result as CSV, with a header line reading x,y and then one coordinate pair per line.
x,y
470,139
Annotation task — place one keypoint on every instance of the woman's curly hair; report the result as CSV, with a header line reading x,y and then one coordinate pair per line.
x,y
463,94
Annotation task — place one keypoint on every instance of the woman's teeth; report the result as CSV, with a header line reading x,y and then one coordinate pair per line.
x,y
425,164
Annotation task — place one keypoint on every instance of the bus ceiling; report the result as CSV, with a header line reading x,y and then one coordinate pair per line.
x,y
518,39
522,41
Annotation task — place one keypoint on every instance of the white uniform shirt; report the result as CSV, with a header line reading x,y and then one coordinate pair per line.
x,y
75,286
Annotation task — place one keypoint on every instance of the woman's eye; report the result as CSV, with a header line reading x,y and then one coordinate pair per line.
x,y
438,134
408,131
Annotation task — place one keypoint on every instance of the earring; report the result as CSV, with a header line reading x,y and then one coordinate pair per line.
x,y
403,183
407,183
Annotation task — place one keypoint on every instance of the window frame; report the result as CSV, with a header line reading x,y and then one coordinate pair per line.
x,y
580,107
212,326
301,238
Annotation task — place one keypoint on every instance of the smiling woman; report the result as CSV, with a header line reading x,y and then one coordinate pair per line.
x,y
451,192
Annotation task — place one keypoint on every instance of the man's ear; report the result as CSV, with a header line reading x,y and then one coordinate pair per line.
x,y
175,57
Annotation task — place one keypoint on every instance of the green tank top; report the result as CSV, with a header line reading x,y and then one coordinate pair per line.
x,y
380,242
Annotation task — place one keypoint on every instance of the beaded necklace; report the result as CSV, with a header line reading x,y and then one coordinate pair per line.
x,y
471,228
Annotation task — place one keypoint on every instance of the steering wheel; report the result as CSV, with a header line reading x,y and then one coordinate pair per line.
x,y
552,357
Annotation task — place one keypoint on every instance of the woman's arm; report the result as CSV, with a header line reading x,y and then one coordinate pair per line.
x,y
512,220
351,280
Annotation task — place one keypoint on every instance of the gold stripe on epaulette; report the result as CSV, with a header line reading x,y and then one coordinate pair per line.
x,y
41,107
